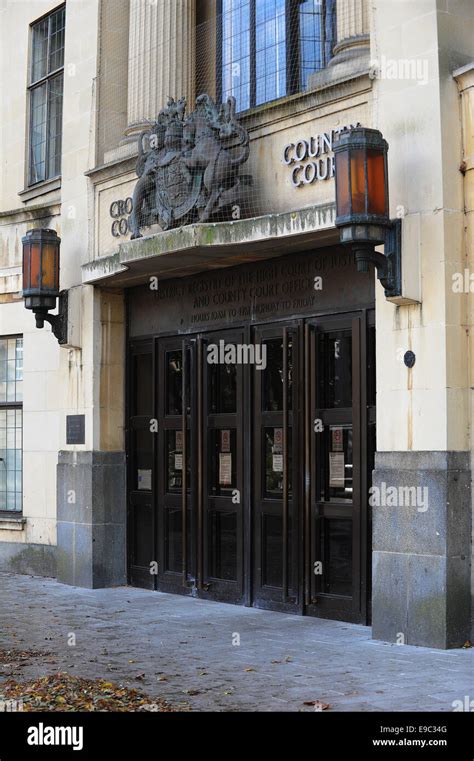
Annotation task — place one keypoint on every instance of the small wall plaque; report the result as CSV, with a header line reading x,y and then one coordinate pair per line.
x,y
75,429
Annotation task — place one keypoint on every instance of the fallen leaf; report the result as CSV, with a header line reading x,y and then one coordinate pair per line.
x,y
318,705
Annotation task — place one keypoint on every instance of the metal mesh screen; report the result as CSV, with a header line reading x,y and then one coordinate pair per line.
x,y
205,84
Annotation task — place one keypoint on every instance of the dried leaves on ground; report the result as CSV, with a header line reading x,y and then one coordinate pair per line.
x,y
65,692
20,656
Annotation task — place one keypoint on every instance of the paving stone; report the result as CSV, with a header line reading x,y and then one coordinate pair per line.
x,y
188,643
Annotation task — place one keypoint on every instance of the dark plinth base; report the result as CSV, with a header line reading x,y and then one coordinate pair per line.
x,y
422,553
91,519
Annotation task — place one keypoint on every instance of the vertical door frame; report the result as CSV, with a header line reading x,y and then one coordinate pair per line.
x,y
322,604
136,574
213,588
277,600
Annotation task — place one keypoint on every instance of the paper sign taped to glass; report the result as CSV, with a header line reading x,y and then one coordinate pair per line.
x,y
278,463
144,480
225,469
336,470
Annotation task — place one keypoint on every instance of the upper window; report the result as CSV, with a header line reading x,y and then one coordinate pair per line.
x,y
46,97
270,47
11,423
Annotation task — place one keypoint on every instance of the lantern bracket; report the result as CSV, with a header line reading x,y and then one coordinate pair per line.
x,y
393,256
57,321
388,265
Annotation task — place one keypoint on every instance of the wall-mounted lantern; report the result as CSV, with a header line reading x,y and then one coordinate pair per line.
x,y
41,280
362,208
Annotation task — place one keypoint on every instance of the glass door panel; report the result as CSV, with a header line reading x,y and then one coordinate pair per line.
x,y
275,477
141,452
334,516
223,478
175,458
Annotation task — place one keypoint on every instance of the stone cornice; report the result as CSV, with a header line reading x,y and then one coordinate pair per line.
x,y
195,248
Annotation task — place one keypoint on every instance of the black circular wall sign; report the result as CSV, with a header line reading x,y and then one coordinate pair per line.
x,y
409,358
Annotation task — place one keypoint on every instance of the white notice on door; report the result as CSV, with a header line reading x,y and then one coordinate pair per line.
x,y
278,463
336,470
178,462
144,480
225,469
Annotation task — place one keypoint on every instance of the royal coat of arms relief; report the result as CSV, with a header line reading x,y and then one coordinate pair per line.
x,y
188,165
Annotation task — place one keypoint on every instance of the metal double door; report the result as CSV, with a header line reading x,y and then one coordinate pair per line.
x,y
261,459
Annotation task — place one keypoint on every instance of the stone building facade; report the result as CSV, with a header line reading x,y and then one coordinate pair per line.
x,y
234,495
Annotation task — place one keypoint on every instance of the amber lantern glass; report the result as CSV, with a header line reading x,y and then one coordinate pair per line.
x,y
358,193
376,182
41,268
26,265
49,268
361,168
343,196
35,265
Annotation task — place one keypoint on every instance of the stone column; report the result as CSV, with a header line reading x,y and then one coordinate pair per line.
x,y
353,39
161,57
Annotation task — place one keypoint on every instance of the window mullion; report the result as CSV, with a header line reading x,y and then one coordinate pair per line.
x,y
292,44
219,52
46,152
48,44
30,138
323,33
48,105
38,82
253,53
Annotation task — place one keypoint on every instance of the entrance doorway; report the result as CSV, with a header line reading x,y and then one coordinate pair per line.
x,y
248,482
